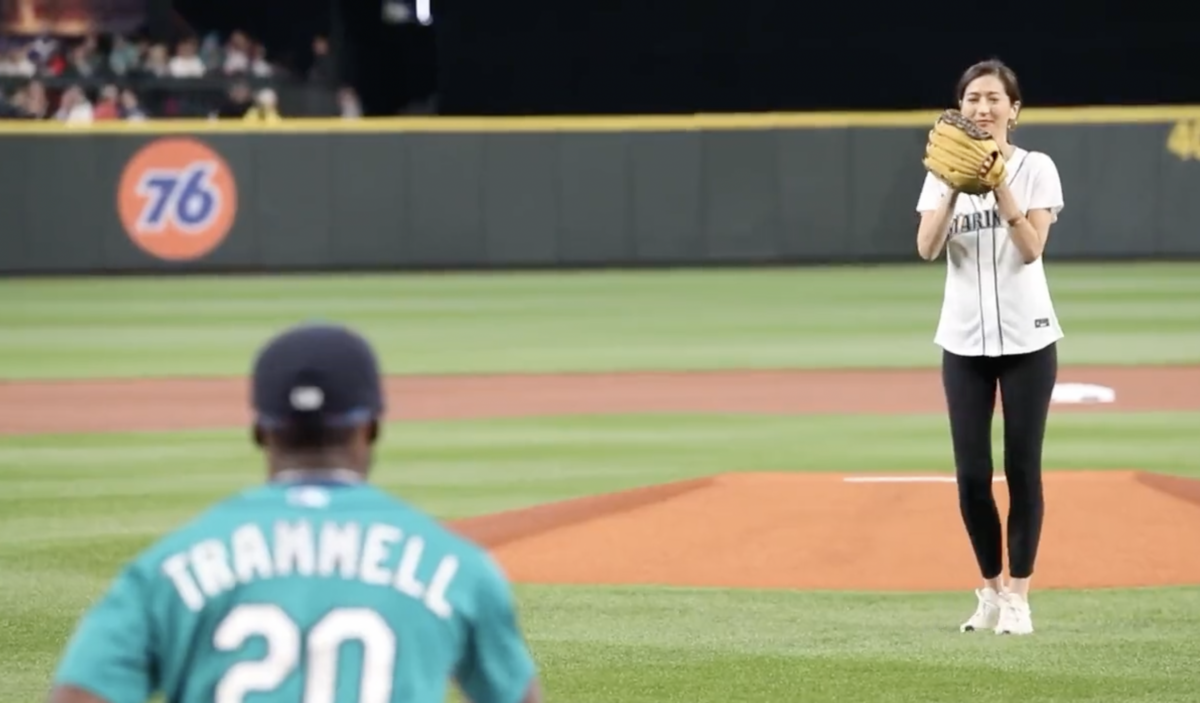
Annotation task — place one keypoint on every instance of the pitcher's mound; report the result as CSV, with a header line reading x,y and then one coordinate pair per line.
x,y
884,532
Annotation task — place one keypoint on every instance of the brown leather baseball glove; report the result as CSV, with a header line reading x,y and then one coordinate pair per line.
x,y
962,155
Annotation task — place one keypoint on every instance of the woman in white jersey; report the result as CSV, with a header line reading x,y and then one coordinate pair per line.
x,y
998,330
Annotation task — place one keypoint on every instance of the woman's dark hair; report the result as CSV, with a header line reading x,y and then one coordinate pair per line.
x,y
993,67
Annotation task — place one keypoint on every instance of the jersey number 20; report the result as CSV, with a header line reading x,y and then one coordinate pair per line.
x,y
285,647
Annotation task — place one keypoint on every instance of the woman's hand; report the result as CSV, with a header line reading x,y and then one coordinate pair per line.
x,y
1006,203
1027,232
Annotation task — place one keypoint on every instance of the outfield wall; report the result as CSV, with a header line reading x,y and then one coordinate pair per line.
x,y
451,193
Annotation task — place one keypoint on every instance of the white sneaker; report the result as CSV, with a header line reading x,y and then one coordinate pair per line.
x,y
1015,616
987,613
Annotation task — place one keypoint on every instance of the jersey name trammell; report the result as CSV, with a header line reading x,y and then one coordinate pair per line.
x,y
326,549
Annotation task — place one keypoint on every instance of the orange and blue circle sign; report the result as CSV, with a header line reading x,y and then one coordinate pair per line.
x,y
177,199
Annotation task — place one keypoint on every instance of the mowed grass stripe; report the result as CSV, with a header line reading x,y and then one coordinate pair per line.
x,y
688,646
462,468
860,316
683,645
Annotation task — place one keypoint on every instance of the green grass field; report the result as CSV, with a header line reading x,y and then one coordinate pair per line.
x,y
1124,313
73,507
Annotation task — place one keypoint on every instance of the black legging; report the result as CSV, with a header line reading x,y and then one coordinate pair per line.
x,y
1026,382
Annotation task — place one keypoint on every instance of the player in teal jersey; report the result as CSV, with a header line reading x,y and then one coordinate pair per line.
x,y
314,588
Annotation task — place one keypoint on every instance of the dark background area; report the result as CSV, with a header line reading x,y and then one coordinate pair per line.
x,y
681,56
517,57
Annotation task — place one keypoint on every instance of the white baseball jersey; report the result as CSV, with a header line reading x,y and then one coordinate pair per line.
x,y
995,304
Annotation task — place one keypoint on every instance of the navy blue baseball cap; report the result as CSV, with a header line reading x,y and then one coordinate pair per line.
x,y
317,373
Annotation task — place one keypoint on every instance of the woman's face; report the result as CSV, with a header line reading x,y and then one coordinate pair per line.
x,y
986,104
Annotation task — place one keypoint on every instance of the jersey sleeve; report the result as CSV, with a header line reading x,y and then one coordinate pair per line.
x,y
110,655
931,193
497,666
1047,190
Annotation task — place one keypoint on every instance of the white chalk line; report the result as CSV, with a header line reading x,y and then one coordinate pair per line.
x,y
908,479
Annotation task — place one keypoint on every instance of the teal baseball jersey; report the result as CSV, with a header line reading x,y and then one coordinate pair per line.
x,y
317,593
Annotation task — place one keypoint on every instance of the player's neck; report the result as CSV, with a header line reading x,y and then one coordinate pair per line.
x,y
313,475
320,466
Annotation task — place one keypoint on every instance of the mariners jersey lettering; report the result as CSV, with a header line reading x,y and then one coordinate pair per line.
x,y
344,550
994,303
285,593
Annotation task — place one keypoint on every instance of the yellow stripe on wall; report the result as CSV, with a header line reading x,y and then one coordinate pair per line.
x,y
635,123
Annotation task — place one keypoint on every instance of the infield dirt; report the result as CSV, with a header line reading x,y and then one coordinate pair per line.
x,y
741,530
182,404
862,532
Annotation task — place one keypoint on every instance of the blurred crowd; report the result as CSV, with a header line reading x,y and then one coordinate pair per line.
x,y
93,78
